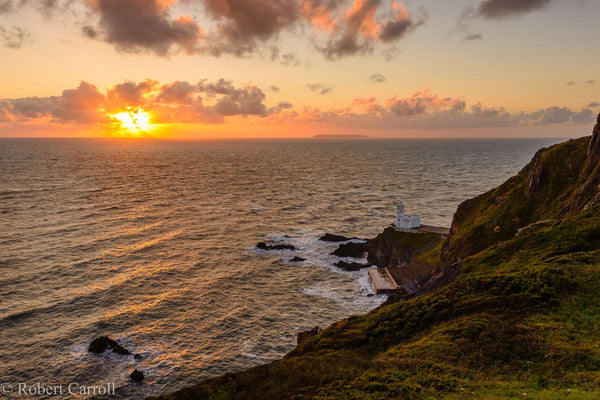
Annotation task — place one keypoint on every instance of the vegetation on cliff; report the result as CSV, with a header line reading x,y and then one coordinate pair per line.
x,y
521,320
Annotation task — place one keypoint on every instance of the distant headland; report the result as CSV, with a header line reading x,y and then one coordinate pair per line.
x,y
340,137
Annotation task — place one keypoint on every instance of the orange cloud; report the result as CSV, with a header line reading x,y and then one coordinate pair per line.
x,y
207,102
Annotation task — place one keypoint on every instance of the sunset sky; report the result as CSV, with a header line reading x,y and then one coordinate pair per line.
x,y
186,69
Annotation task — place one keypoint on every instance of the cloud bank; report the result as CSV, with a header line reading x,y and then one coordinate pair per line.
x,y
212,102
426,110
338,28
177,102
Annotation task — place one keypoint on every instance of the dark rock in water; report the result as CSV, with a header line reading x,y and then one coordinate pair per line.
x,y
329,237
355,250
353,266
103,343
302,336
297,259
137,376
138,356
264,246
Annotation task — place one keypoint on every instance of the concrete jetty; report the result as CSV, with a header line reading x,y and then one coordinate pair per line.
x,y
382,281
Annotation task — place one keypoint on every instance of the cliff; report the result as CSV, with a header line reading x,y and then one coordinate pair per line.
x,y
521,320
560,181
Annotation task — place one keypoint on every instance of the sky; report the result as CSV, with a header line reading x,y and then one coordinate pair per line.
x,y
195,69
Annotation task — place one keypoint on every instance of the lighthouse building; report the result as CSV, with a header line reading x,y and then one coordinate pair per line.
x,y
404,221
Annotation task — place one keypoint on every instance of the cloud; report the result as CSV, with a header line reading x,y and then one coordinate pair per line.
x,y
74,105
130,94
177,93
423,101
243,27
214,102
240,27
494,9
15,37
590,82
584,116
426,110
359,29
377,78
570,83
138,25
473,36
369,104
282,105
7,6
462,25
209,102
509,8
319,88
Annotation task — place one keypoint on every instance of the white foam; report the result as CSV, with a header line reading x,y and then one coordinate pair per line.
x,y
356,298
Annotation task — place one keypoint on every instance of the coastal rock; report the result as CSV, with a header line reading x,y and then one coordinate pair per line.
x,y
136,376
297,259
103,343
302,336
354,250
353,266
330,237
264,246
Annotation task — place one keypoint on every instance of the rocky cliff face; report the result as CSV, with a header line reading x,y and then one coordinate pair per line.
x,y
588,191
559,181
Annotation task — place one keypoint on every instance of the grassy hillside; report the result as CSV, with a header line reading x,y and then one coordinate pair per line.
x,y
522,320
542,190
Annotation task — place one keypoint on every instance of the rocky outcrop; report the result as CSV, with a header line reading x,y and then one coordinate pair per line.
x,y
103,343
264,246
353,266
304,335
329,237
297,259
136,376
352,249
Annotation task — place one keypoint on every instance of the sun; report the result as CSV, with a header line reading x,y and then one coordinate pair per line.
x,y
132,122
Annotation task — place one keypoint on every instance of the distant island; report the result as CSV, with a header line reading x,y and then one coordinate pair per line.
x,y
340,137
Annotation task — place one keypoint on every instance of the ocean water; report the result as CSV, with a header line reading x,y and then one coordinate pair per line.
x,y
152,243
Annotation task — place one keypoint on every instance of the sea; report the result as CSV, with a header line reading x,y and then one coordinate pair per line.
x,y
152,243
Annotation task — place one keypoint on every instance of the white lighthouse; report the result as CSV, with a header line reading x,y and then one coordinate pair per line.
x,y
404,221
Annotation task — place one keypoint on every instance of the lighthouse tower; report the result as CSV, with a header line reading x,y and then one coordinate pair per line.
x,y
404,221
